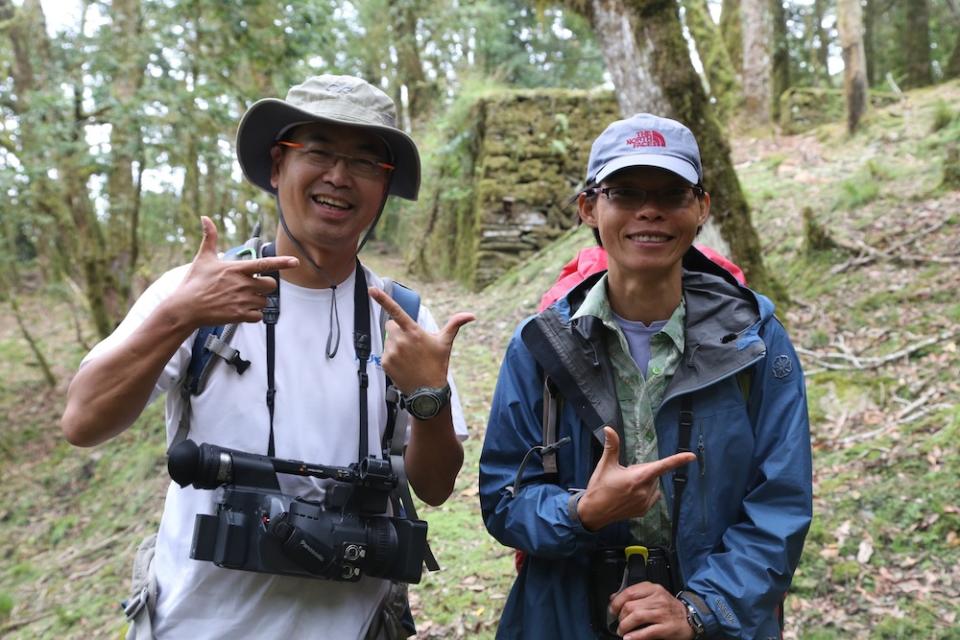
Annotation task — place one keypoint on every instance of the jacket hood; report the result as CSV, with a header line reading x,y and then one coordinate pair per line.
x,y
723,321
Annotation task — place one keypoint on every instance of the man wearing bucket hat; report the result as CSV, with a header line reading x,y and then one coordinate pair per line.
x,y
648,445
331,154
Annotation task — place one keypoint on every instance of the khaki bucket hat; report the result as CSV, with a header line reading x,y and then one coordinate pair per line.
x,y
340,100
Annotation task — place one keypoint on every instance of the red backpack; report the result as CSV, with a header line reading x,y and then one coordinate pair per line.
x,y
593,259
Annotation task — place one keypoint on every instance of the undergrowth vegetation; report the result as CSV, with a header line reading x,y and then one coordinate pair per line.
x,y
876,319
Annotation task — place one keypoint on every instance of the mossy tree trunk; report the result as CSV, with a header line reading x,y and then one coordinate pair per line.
x,y
757,60
656,29
629,58
850,26
420,92
99,248
781,55
821,50
731,30
915,44
717,66
123,191
952,68
869,15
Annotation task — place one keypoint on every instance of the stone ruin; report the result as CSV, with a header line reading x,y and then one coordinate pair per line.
x,y
527,155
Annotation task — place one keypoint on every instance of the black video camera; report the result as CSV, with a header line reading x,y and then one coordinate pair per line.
x,y
258,528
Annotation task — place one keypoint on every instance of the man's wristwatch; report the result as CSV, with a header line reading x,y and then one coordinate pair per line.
x,y
693,617
426,402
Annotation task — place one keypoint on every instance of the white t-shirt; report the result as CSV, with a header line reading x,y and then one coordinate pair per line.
x,y
315,420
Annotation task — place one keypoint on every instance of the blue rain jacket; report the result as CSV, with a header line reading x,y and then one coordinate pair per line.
x,y
748,501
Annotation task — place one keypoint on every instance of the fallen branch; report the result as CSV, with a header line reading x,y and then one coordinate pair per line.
x,y
77,553
868,254
903,417
862,363
89,571
16,624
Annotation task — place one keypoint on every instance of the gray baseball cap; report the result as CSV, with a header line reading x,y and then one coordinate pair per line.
x,y
645,140
340,100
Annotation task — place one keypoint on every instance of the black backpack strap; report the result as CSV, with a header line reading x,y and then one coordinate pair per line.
x,y
684,432
575,360
552,405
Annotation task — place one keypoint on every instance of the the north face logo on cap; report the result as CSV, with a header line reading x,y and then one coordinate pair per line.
x,y
647,139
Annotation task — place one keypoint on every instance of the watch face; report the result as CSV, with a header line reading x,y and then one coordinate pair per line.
x,y
424,405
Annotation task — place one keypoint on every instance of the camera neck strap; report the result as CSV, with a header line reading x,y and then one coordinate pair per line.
x,y
361,344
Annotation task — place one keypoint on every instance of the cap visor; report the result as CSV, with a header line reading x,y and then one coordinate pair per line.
x,y
675,165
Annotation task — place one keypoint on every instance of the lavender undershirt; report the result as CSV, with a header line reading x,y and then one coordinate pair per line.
x,y
638,339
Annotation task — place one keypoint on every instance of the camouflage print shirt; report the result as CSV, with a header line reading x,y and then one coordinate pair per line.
x,y
640,394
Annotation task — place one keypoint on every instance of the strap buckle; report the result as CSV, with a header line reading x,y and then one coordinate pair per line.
x,y
221,349
134,605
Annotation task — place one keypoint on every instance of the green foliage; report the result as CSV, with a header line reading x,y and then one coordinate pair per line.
x,y
857,191
943,115
6,605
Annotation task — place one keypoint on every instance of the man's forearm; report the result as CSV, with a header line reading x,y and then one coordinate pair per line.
x,y
433,457
108,393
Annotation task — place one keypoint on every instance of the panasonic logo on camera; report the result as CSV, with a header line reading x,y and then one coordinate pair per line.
x,y
311,550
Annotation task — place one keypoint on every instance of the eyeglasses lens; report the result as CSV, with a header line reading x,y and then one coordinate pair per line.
x,y
627,198
324,159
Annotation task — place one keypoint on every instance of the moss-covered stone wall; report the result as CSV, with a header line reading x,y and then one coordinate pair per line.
x,y
525,156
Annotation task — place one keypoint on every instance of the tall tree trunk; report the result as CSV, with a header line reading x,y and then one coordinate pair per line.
x,y
629,57
657,33
915,43
822,48
757,59
717,66
420,93
869,9
781,55
952,68
731,29
850,25
125,136
35,347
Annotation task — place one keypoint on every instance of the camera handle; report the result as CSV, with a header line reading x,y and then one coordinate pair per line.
x,y
208,466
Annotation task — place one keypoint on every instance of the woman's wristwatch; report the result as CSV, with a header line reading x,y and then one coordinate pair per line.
x,y
693,617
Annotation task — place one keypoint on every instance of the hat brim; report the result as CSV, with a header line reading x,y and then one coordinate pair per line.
x,y
675,165
262,122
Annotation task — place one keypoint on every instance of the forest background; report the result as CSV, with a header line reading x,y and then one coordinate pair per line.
x,y
830,134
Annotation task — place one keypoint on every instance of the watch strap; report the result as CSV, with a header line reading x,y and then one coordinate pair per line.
x,y
441,394
693,614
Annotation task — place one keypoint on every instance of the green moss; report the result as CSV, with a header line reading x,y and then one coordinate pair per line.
x,y
6,605
943,115
845,571
856,192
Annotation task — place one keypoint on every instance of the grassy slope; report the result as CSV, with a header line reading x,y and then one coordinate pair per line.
x,y
882,557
